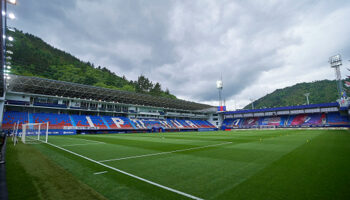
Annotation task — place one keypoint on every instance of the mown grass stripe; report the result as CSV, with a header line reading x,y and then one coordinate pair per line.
x,y
128,174
167,152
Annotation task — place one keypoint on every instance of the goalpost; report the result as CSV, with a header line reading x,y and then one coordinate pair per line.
x,y
35,132
15,133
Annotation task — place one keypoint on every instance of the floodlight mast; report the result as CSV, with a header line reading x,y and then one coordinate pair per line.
x,y
219,86
252,100
336,62
307,98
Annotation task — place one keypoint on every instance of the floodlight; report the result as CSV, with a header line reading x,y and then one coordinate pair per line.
x,y
11,29
8,67
336,62
14,2
3,13
9,52
10,38
11,16
219,84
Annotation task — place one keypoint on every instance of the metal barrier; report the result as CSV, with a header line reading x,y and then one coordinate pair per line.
x,y
3,186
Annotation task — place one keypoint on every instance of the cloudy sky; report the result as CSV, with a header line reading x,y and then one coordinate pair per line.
x,y
257,46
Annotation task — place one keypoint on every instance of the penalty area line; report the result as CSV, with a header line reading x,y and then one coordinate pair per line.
x,y
128,174
97,173
166,152
71,145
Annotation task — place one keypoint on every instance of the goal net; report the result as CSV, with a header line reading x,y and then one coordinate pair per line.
x,y
35,132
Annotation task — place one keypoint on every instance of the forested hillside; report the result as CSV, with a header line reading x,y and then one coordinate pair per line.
x,y
33,57
324,91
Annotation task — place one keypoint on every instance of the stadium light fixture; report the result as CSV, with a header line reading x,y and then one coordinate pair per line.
x,y
336,63
9,52
3,13
11,16
11,29
10,38
307,98
8,67
13,2
252,100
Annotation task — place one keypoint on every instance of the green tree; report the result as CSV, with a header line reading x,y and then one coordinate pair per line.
x,y
33,57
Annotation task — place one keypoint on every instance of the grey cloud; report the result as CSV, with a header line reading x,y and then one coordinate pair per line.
x,y
184,45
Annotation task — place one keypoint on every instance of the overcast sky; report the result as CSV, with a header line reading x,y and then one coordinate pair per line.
x,y
257,46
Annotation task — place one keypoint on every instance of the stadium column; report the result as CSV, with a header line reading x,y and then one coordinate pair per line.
x,y
2,103
2,85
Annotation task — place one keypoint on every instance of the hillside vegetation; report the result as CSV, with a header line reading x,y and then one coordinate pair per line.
x,y
34,57
324,91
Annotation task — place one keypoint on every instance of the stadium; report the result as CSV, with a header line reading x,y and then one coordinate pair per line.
x,y
65,140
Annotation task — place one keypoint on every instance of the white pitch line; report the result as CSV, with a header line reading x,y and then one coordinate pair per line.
x,y
97,173
85,140
70,145
167,152
128,174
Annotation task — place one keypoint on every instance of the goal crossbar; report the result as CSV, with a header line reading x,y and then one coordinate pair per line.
x,y
32,132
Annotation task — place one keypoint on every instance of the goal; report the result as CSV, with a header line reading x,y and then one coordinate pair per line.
x,y
35,132
267,127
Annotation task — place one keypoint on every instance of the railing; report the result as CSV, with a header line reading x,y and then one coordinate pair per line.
x,y
80,128
15,102
51,105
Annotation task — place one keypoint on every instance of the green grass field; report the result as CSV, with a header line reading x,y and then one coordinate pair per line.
x,y
270,164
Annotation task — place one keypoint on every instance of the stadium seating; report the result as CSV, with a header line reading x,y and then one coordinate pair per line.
x,y
10,118
251,122
98,122
335,119
301,120
118,122
55,121
64,121
202,124
316,119
273,121
80,121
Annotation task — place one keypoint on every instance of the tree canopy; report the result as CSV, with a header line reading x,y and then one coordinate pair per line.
x,y
324,91
34,57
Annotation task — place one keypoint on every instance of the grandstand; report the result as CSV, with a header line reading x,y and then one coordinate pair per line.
x,y
72,108
305,116
166,164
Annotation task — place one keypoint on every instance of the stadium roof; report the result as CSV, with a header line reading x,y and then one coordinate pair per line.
x,y
320,105
43,86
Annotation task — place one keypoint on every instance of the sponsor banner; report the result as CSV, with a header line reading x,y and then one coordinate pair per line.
x,y
207,129
61,132
221,108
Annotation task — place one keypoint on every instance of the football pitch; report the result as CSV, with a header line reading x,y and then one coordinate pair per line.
x,y
250,164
